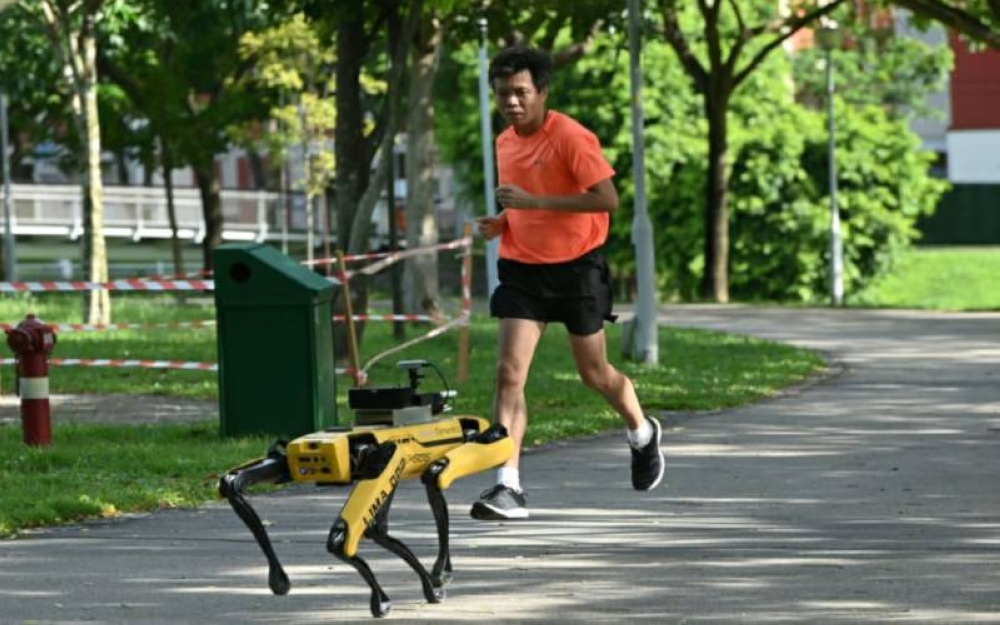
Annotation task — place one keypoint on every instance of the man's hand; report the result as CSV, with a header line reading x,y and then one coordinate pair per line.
x,y
490,227
513,196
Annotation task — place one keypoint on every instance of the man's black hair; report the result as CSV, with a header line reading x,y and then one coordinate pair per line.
x,y
516,59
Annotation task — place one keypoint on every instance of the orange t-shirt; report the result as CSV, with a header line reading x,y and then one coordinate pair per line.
x,y
561,158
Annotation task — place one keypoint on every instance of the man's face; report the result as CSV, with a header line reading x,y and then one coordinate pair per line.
x,y
519,102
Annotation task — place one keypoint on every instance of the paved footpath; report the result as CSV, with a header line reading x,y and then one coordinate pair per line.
x,y
870,496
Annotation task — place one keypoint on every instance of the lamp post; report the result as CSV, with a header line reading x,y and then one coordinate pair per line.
x,y
486,129
828,38
645,346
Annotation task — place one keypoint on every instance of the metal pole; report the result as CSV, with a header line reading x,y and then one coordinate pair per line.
x,y
489,183
9,257
645,345
281,211
398,328
836,246
307,163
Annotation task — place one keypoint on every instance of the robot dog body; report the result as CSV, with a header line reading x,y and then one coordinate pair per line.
x,y
376,458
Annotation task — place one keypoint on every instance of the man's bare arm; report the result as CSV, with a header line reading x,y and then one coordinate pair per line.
x,y
600,198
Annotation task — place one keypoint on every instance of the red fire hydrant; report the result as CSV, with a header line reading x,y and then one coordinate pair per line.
x,y
32,342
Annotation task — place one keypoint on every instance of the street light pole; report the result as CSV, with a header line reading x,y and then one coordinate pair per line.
x,y
486,129
645,345
9,257
829,39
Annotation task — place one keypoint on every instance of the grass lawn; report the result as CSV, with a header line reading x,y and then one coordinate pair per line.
x,y
939,278
104,470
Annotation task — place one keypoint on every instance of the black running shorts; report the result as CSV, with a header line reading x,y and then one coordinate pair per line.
x,y
576,293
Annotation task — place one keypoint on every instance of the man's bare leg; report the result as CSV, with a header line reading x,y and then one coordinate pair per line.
x,y
648,462
590,354
518,339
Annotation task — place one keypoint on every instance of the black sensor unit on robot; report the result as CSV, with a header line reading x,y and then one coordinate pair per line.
x,y
398,397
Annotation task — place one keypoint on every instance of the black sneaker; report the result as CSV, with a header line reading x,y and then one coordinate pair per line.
x,y
648,463
499,503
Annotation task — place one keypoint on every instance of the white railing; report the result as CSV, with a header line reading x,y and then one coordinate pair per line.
x,y
141,213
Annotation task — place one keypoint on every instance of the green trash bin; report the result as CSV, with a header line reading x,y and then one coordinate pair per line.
x,y
276,362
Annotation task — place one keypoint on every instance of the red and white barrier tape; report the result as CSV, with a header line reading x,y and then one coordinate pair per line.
x,y
441,329
388,258
347,258
397,256
342,318
131,284
145,364
197,275
62,328
155,283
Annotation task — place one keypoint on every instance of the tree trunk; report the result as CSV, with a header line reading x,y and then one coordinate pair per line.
x,y
323,202
391,216
715,279
95,256
359,234
421,275
211,206
121,163
311,200
76,45
352,158
357,190
168,187
716,83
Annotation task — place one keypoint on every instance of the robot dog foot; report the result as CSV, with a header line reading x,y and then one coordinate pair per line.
x,y
336,544
366,513
272,469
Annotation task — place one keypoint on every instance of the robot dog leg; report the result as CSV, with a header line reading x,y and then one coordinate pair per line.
x,y
366,511
481,451
272,469
366,514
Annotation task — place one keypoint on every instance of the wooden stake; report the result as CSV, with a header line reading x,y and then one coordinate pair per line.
x,y
463,332
352,335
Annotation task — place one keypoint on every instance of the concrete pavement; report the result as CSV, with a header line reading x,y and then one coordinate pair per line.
x,y
870,496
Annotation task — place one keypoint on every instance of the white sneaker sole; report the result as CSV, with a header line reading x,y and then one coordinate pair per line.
x,y
659,478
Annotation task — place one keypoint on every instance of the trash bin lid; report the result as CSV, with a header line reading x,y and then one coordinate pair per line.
x,y
259,274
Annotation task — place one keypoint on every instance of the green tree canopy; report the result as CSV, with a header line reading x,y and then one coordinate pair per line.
x,y
778,144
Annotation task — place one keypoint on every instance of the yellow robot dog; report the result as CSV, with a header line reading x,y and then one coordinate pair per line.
x,y
397,436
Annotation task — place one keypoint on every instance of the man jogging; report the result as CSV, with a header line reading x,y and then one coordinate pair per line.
x,y
557,195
